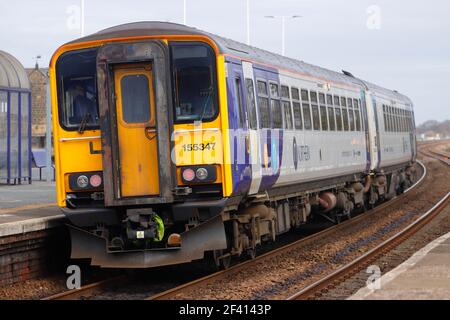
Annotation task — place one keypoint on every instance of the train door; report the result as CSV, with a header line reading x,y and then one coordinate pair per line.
x,y
373,131
364,115
241,135
136,123
136,129
253,125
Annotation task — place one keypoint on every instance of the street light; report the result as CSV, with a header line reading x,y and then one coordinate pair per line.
x,y
184,12
248,22
283,29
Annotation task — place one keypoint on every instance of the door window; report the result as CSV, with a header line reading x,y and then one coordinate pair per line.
x,y
135,98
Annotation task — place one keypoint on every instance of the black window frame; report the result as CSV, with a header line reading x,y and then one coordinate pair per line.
x,y
214,77
60,91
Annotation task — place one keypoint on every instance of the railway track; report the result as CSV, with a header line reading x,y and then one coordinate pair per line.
x,y
308,292
329,282
191,286
316,289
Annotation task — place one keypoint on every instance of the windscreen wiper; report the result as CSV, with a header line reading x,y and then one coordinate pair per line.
x,y
210,90
84,122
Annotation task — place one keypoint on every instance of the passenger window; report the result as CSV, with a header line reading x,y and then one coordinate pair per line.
x,y
315,111
263,105
336,101
286,104
316,117
305,96
295,94
238,102
287,114
297,115
321,98
344,113
323,112
262,88
338,114
135,98
362,106
298,121
357,115
337,111
306,110
274,90
313,96
251,105
351,115
332,119
324,118
329,99
277,117
285,92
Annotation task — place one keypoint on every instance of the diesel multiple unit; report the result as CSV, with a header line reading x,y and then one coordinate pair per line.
x,y
171,143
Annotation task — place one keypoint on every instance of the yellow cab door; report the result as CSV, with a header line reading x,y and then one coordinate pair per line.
x,y
136,131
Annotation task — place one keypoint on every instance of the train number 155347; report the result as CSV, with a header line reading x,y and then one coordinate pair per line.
x,y
199,146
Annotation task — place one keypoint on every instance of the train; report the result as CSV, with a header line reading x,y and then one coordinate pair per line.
x,y
173,144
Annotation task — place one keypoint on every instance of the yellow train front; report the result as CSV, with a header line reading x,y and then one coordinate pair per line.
x,y
136,176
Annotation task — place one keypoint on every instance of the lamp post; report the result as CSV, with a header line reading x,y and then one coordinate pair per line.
x,y
184,12
248,22
82,17
283,29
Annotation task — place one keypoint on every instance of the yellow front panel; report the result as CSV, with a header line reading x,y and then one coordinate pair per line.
x,y
138,154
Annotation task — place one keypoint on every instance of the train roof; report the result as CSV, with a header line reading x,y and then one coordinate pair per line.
x,y
235,48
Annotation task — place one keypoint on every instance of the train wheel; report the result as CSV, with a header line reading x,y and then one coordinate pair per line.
x,y
221,260
251,253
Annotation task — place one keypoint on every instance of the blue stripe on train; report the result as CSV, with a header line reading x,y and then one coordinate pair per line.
x,y
271,140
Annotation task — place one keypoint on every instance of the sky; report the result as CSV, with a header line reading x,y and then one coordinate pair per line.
x,y
398,44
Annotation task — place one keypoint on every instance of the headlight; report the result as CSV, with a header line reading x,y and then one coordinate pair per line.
x,y
201,174
95,180
82,181
188,175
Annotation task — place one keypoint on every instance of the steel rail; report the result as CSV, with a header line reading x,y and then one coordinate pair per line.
x,y
172,293
358,264
87,290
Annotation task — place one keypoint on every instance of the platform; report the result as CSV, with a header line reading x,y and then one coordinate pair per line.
x,y
28,207
424,276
